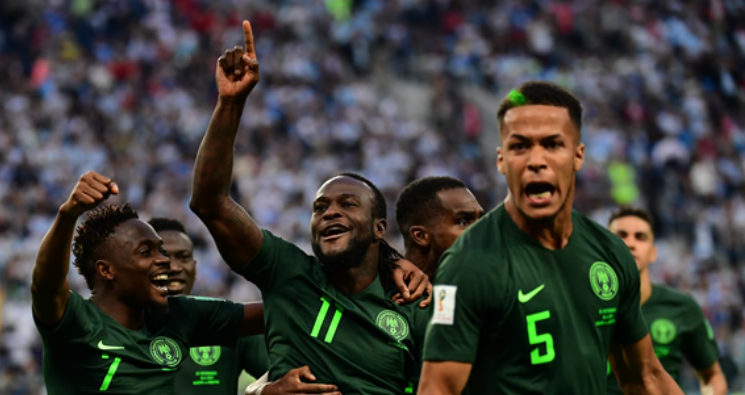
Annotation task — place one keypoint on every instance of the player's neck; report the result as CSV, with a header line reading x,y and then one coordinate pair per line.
x,y
552,233
128,317
423,260
355,279
646,286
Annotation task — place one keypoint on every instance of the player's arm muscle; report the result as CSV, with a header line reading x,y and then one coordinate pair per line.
x,y
237,236
253,319
712,380
443,377
49,288
639,371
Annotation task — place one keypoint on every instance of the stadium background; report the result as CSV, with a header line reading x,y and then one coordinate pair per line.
x,y
394,89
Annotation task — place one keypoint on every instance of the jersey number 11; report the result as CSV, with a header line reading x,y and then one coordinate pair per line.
x,y
322,316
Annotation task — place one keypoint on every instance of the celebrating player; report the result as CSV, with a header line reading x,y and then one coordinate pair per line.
x,y
534,298
431,213
206,369
332,311
676,324
128,337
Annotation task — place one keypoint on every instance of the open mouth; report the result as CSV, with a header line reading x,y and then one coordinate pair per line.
x,y
334,232
539,192
175,283
160,282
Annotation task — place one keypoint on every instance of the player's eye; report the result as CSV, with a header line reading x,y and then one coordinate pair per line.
x,y
319,208
553,144
349,204
145,252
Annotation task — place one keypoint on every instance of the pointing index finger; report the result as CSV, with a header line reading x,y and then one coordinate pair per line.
x,y
248,39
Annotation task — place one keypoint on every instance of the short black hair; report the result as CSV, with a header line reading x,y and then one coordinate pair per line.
x,y
161,224
93,232
380,208
542,93
418,202
627,211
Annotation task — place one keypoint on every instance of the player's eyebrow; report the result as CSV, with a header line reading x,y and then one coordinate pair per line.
x,y
464,213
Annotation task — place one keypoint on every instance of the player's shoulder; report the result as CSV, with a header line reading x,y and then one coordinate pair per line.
x,y
603,241
667,294
597,232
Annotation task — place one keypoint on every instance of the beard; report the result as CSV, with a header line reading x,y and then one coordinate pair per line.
x,y
349,257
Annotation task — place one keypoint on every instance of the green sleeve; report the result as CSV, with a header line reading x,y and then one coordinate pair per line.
x,y
252,355
630,324
276,262
73,323
212,321
460,305
698,345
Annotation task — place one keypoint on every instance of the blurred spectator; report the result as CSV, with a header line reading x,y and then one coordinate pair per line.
x,y
125,88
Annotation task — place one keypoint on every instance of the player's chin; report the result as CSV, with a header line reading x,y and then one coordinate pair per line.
x,y
158,296
540,213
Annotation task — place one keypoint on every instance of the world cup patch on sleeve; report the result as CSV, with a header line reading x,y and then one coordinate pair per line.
x,y
444,304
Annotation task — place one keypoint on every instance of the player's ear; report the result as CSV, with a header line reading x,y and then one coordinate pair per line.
x,y
420,236
500,160
653,258
579,156
104,269
380,226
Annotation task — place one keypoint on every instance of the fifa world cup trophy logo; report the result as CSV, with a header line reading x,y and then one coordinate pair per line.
x,y
442,295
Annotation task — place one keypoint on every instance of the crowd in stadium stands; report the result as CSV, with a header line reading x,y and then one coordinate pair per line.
x,y
125,88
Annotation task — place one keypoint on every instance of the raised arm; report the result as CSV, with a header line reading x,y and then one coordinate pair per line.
x,y
639,371
237,236
49,288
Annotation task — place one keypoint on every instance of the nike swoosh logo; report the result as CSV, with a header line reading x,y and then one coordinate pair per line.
x,y
526,297
102,346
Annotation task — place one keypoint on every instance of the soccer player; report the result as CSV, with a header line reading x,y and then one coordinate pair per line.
x,y
534,298
676,323
431,213
128,337
212,370
333,311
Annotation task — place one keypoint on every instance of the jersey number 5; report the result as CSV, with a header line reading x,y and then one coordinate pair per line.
x,y
534,338
322,317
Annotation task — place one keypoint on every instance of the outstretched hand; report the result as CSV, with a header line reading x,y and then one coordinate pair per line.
x,y
90,191
238,69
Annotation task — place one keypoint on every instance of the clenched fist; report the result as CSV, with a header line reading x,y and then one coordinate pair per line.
x,y
91,189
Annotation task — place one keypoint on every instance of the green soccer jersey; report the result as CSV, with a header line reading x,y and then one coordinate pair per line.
x,y
214,370
88,352
678,329
532,320
363,343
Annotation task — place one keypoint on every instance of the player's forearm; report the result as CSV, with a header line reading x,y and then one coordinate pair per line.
x,y
714,385
213,169
657,383
53,258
